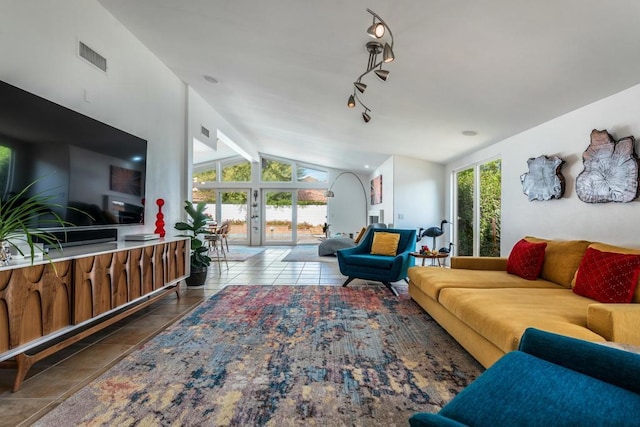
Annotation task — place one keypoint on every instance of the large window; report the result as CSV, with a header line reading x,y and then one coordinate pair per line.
x,y
237,172
201,190
292,208
478,193
205,176
276,171
307,174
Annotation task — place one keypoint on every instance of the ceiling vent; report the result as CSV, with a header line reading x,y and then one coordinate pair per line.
x,y
204,131
93,57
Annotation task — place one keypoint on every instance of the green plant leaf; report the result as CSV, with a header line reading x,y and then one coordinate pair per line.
x,y
19,211
195,227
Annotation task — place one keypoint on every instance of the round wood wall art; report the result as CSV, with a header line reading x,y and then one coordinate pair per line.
x,y
544,181
610,171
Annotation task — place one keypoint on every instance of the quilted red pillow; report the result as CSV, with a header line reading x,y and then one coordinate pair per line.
x,y
607,276
525,259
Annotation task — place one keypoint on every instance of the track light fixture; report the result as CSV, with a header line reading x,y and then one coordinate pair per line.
x,y
360,86
382,74
377,30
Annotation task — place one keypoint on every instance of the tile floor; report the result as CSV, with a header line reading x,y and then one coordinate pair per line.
x,y
55,378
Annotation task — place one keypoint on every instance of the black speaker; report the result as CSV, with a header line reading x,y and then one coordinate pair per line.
x,y
82,237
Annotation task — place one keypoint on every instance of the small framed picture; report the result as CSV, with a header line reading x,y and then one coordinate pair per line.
x,y
376,190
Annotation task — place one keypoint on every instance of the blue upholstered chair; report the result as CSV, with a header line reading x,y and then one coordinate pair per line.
x,y
552,380
359,263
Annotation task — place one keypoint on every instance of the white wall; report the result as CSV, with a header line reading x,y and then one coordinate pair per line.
x,y
138,94
202,114
566,136
348,207
418,196
386,170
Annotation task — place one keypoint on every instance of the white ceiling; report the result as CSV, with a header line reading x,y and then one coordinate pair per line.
x,y
286,69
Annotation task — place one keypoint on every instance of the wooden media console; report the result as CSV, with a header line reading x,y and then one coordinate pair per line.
x,y
49,305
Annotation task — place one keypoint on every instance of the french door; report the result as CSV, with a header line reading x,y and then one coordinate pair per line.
x,y
279,217
233,205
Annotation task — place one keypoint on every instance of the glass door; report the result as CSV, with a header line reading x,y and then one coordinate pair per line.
x,y
465,185
311,215
478,195
278,217
234,207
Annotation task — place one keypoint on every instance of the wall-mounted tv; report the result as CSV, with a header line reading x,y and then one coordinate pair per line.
x,y
86,164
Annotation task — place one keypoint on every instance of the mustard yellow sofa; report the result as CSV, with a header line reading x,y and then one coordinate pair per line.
x,y
487,309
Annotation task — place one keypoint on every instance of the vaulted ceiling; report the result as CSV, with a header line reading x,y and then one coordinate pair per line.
x,y
286,69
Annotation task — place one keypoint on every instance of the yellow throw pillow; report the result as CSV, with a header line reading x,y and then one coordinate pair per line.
x,y
561,259
385,243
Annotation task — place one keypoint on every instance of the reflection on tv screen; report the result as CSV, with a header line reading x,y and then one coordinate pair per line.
x,y
94,171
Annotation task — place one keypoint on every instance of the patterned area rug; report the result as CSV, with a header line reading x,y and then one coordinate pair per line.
x,y
307,253
282,356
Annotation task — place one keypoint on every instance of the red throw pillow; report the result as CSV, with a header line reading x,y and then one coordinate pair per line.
x,y
525,259
607,276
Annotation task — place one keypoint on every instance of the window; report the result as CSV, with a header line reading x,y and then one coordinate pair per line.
x,y
477,207
200,190
306,174
205,176
237,172
276,171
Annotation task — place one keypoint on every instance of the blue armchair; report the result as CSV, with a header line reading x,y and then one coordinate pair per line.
x,y
359,263
552,380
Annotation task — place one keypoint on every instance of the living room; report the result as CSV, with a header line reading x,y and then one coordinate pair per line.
x,y
139,89
141,95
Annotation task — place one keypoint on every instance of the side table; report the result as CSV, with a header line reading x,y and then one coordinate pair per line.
x,y
433,257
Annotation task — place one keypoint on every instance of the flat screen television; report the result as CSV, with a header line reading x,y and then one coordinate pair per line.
x,y
84,163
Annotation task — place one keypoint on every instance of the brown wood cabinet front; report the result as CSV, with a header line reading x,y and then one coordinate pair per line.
x,y
34,301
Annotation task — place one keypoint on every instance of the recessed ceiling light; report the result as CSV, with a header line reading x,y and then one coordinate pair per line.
x,y
211,79
366,166
469,132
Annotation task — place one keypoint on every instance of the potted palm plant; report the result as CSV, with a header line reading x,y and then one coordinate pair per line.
x,y
196,226
19,214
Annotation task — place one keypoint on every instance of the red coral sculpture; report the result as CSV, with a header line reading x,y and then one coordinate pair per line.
x,y
610,170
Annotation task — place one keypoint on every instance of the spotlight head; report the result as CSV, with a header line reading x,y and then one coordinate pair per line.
x,y
351,102
387,53
376,30
366,117
360,86
382,74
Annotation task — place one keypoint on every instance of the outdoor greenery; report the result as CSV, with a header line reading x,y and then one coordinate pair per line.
x,y
490,209
234,198
279,198
464,206
209,175
275,171
272,171
238,172
207,195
